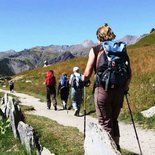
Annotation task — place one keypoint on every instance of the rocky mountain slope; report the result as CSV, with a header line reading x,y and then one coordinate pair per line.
x,y
12,62
132,39
29,59
76,50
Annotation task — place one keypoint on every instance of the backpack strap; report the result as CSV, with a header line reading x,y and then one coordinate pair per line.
x,y
97,59
73,76
96,50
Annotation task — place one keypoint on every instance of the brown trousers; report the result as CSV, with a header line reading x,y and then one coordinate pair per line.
x,y
108,105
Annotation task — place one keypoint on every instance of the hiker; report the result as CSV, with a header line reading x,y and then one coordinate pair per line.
x,y
63,90
108,92
11,86
50,83
45,63
76,90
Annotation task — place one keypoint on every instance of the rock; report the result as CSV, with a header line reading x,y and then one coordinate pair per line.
x,y
2,116
10,109
26,133
99,142
45,151
16,116
28,81
149,112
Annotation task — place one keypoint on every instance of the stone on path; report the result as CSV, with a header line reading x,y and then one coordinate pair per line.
x,y
149,112
99,142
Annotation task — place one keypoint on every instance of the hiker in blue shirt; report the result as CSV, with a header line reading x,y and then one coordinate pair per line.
x,y
63,90
76,90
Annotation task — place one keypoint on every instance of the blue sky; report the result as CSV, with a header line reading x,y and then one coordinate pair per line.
x,y
30,23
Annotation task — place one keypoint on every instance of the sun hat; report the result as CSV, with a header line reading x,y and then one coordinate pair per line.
x,y
75,69
105,33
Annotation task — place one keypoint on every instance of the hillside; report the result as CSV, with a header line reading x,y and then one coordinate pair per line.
x,y
12,62
142,94
29,59
131,39
77,49
146,41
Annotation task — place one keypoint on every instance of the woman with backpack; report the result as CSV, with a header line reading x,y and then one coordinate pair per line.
x,y
108,95
63,90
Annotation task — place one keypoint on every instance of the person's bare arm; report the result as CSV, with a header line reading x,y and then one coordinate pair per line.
x,y
89,67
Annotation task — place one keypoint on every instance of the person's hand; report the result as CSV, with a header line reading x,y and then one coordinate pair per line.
x,y
83,78
86,83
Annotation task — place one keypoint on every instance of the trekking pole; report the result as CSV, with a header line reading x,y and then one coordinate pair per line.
x,y
133,123
84,112
70,100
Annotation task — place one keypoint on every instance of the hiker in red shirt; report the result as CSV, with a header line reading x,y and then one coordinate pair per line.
x,y
50,82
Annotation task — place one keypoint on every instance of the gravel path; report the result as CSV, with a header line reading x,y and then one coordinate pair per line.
x,y
127,141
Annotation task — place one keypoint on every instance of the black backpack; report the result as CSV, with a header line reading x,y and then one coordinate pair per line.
x,y
77,82
112,65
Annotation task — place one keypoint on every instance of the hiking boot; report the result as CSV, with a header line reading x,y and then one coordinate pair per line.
x,y
65,108
70,107
76,113
64,105
55,108
118,147
48,107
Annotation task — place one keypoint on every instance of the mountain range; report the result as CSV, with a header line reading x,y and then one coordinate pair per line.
x,y
12,62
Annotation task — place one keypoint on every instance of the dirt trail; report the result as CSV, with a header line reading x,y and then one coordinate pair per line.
x,y
127,141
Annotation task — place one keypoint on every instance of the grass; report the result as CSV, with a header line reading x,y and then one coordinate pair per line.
x,y
146,41
59,139
62,140
1,94
9,145
26,108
